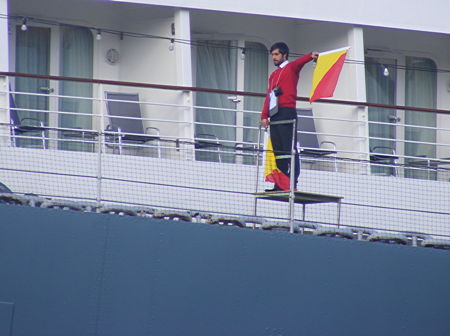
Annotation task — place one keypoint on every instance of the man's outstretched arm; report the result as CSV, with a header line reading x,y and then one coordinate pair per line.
x,y
301,61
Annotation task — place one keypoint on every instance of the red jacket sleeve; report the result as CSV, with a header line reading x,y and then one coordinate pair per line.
x,y
265,110
297,66
300,62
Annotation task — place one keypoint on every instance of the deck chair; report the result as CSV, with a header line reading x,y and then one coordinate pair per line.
x,y
309,145
385,155
125,122
24,127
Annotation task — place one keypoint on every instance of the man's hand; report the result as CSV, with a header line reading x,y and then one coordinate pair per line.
x,y
314,55
265,123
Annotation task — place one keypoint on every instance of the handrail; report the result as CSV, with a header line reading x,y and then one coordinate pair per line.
x,y
178,145
216,108
208,90
224,143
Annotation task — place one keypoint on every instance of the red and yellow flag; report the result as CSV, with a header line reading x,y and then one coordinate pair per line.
x,y
326,74
271,171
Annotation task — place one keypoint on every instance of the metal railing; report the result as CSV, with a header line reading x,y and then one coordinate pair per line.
x,y
104,159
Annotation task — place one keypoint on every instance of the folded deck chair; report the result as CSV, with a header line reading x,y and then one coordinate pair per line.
x,y
125,122
29,127
307,138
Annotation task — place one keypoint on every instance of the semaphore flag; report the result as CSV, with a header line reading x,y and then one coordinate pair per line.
x,y
271,172
326,74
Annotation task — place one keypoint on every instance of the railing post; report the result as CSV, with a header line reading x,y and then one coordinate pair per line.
x,y
100,143
4,110
364,148
257,170
99,167
292,178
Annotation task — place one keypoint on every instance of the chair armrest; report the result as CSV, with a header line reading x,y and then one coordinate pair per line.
x,y
204,140
392,150
38,122
330,143
113,130
156,129
245,147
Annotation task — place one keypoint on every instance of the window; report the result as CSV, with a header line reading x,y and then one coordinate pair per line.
x,y
75,51
384,85
420,91
217,62
76,61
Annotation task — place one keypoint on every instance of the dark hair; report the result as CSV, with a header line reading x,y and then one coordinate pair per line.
x,y
282,47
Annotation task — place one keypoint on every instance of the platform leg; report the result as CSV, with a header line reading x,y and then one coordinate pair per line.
x,y
338,213
303,211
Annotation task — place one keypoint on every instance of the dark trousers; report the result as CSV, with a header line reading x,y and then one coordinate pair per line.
x,y
281,136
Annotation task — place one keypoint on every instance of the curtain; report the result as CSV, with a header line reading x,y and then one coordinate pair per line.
x,y
216,69
421,82
381,89
255,80
77,61
33,57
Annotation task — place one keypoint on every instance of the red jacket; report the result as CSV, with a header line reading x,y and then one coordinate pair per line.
x,y
286,78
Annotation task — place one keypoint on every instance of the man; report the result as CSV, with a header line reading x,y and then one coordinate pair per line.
x,y
280,104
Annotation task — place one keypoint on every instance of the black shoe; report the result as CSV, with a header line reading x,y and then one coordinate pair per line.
x,y
275,188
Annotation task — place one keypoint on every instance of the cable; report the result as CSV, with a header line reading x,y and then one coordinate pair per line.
x,y
198,43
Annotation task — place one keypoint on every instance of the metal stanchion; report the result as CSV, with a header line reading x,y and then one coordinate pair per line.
x,y
257,170
292,196
99,169
291,173
292,177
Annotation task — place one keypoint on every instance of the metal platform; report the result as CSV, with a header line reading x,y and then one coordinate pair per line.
x,y
303,198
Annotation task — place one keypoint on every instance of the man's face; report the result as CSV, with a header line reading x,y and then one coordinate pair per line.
x,y
278,57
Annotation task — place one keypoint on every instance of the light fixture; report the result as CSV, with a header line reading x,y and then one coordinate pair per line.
x,y
385,71
243,54
171,45
99,35
24,26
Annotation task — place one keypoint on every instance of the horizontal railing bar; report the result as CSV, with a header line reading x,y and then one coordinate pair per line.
x,y
408,125
411,141
26,109
196,89
91,131
234,149
196,107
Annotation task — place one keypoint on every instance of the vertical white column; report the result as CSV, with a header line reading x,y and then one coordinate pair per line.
x,y
4,59
240,80
183,50
4,66
400,100
356,53
183,60
55,66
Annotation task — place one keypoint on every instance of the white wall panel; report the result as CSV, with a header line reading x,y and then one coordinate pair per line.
x,y
415,15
